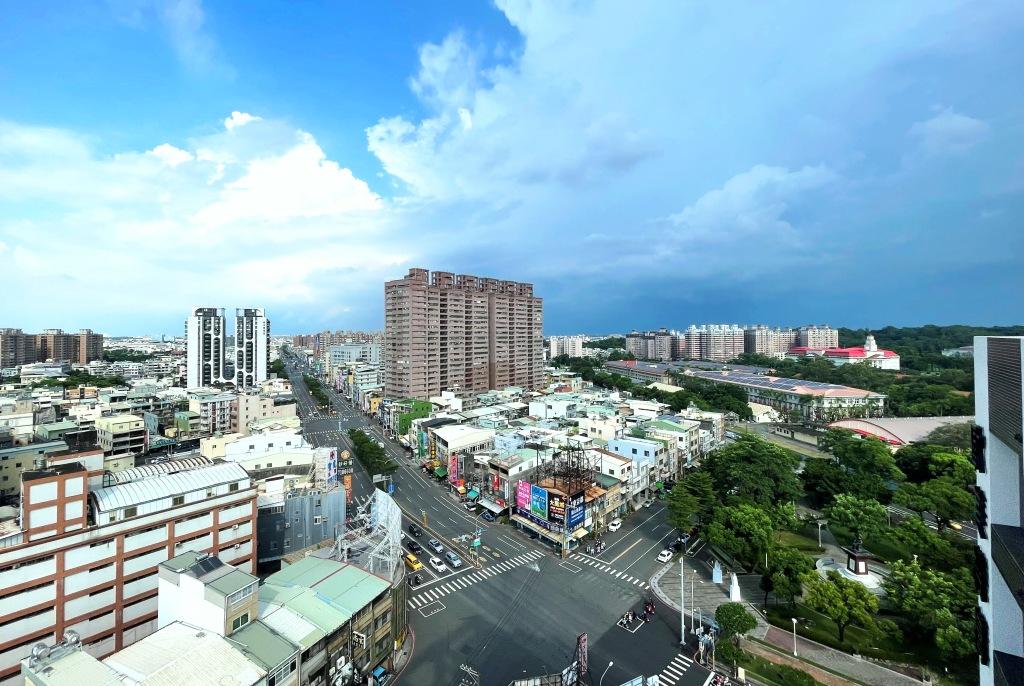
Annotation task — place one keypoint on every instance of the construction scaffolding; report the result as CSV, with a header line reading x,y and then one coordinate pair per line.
x,y
372,538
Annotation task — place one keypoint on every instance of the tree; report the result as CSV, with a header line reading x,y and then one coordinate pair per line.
x,y
944,497
936,603
733,621
752,470
860,466
784,574
843,601
698,484
681,506
956,436
864,518
743,531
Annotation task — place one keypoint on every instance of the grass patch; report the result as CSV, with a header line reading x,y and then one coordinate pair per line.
x,y
802,541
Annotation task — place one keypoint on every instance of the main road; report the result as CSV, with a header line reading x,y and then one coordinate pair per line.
x,y
518,611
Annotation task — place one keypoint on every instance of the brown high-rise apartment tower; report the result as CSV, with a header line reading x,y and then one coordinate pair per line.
x,y
448,332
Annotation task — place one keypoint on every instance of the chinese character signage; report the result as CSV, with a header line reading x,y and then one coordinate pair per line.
x,y
539,501
523,495
556,508
495,483
577,511
345,463
453,467
347,481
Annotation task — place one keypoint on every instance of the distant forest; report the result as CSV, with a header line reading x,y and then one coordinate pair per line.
x,y
920,347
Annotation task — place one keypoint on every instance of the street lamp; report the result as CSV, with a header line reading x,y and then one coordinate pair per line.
x,y
601,682
819,523
693,575
794,636
682,602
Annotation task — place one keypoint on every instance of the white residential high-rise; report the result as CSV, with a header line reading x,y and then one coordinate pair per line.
x,y
204,337
566,345
996,446
252,347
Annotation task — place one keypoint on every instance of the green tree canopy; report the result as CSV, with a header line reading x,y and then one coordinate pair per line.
x,y
682,506
743,531
955,436
860,466
864,518
733,620
938,604
752,470
784,574
698,484
843,601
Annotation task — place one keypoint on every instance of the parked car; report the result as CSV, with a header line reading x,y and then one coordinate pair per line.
x,y
615,525
414,547
453,560
665,555
435,545
488,517
415,530
438,565
412,562
469,505
648,503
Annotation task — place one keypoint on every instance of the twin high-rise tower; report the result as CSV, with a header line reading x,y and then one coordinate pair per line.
x,y
205,335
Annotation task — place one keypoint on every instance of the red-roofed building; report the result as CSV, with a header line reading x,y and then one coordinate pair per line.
x,y
870,353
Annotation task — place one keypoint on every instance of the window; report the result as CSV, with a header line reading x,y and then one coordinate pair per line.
x,y
232,487
178,500
317,519
244,593
634,451
287,542
130,512
240,621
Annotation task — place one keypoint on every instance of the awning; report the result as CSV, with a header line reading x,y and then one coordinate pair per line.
x,y
378,672
550,535
461,490
658,485
491,506
580,532
441,472
473,494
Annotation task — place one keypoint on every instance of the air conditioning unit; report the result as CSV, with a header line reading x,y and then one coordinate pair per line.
x,y
234,527
287,525
179,544
341,662
237,546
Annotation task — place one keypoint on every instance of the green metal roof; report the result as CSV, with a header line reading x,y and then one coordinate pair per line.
x,y
263,645
441,472
232,581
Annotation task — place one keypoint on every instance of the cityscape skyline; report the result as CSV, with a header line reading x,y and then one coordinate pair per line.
x,y
304,180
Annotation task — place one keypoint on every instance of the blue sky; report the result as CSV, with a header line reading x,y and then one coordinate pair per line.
x,y
644,164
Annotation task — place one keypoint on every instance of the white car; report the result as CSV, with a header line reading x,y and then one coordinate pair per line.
x,y
615,525
438,566
665,555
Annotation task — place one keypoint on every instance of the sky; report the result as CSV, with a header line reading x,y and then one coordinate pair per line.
x,y
644,164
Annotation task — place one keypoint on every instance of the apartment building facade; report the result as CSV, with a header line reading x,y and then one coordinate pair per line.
x,y
204,345
998,453
566,345
17,348
448,332
121,433
764,340
85,555
252,347
815,336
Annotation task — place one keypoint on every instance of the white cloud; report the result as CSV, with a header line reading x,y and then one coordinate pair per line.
x,y
239,119
238,216
184,22
949,132
754,202
170,155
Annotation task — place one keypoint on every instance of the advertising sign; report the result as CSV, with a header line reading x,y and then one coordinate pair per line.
x,y
523,495
345,463
577,511
332,468
453,467
347,481
495,484
556,508
539,501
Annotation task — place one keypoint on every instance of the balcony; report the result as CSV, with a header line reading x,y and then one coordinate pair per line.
x,y
1008,556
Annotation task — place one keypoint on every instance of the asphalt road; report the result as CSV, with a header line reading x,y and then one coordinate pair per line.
x,y
519,610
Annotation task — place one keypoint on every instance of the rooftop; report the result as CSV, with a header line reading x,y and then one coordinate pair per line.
x,y
165,485
898,430
775,383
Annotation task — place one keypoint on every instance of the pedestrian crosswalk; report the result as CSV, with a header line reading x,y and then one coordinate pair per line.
x,y
674,670
607,569
458,583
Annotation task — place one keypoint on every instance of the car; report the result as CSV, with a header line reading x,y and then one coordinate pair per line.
x,y
453,560
956,526
435,545
648,503
415,530
665,555
414,547
683,538
615,525
488,517
412,562
469,505
438,565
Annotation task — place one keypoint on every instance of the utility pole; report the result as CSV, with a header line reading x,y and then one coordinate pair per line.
x,y
682,602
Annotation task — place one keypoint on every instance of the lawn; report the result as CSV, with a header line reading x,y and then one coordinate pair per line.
x,y
805,541
905,649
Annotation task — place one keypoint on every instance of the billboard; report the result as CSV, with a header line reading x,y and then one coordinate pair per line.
x,y
345,463
556,508
332,468
347,481
539,501
577,511
523,495
453,467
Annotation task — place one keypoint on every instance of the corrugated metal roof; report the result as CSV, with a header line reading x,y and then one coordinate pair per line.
x,y
289,624
157,468
165,485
